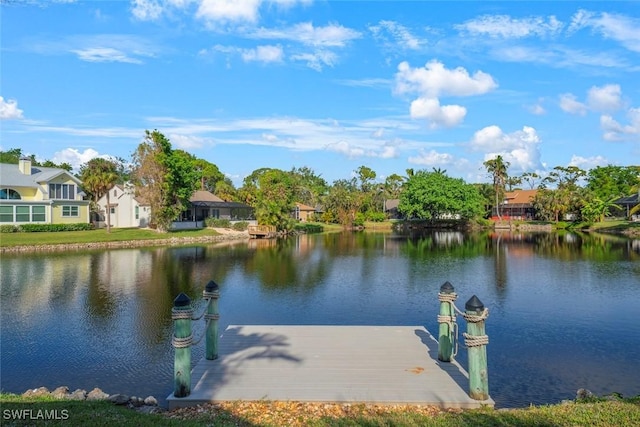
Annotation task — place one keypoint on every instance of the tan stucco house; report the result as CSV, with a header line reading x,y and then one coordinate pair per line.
x,y
303,212
35,194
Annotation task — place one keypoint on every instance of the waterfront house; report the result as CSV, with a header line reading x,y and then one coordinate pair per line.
x,y
203,204
125,209
36,194
303,212
627,204
518,205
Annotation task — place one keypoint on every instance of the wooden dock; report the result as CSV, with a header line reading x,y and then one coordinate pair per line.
x,y
262,231
365,364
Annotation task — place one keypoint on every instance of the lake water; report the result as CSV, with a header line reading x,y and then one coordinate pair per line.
x,y
564,309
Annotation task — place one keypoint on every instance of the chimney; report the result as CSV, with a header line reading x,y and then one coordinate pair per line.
x,y
24,165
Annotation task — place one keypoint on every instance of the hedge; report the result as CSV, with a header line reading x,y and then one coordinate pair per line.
x,y
32,228
217,223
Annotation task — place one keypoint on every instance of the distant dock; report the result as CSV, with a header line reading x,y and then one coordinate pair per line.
x,y
262,231
364,364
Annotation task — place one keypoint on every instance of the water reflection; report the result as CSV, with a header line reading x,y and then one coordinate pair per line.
x,y
102,318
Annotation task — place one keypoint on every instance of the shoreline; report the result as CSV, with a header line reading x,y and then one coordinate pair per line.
x,y
224,235
233,235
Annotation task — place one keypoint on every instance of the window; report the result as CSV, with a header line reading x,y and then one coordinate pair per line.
x,y
62,191
137,212
22,213
38,214
70,211
7,193
112,210
6,213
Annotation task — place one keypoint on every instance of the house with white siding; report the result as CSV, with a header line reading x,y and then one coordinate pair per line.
x,y
125,210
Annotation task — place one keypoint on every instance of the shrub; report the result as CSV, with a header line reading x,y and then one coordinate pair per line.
x,y
8,228
359,220
240,226
375,216
217,222
33,228
309,228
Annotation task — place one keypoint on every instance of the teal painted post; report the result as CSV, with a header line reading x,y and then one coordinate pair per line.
x,y
476,341
212,292
446,319
182,339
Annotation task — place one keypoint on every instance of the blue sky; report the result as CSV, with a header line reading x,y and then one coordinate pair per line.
x,y
331,85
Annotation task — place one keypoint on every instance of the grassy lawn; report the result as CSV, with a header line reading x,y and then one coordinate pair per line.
x,y
93,236
595,413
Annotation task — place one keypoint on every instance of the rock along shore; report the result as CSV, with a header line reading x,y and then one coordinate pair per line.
x,y
147,405
226,236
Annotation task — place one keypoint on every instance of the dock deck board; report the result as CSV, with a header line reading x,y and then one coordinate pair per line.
x,y
367,364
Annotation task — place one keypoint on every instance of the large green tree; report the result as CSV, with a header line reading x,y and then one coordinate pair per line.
x,y
612,181
434,195
209,174
274,198
310,187
164,178
98,177
343,202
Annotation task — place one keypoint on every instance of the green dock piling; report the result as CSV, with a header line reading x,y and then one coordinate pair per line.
x,y
446,319
212,293
476,341
182,339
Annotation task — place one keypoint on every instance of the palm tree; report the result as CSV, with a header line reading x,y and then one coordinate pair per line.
x,y
497,167
98,177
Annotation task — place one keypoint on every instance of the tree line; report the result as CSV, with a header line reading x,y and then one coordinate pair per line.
x,y
165,178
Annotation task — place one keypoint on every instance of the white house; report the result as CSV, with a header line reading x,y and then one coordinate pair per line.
x,y
125,210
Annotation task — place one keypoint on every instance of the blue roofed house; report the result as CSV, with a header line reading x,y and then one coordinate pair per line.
x,y
35,194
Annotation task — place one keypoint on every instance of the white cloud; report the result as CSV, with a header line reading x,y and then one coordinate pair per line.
x,y
432,158
104,54
588,162
378,133
506,27
76,158
537,109
317,60
437,115
519,148
570,104
332,35
9,109
400,34
615,131
434,80
366,82
605,98
229,10
146,10
620,28
560,57
189,142
99,47
267,53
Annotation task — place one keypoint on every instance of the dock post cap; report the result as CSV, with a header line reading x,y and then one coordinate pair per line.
x,y
211,286
181,300
474,304
447,288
